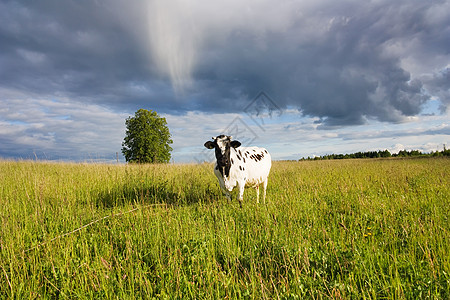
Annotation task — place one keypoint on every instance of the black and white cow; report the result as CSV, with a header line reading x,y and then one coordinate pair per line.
x,y
241,166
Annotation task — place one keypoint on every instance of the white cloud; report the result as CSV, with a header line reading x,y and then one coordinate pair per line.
x,y
291,136
60,129
65,129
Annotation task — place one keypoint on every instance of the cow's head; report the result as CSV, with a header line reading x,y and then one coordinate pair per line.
x,y
222,145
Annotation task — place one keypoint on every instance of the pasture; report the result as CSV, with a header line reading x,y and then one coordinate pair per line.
x,y
363,229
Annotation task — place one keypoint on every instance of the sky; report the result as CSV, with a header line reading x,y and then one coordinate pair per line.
x,y
300,78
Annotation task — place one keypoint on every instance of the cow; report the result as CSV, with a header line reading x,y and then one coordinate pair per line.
x,y
240,166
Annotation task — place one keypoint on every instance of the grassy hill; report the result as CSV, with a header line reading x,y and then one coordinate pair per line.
x,y
330,229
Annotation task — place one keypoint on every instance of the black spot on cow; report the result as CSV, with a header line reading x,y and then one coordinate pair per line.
x,y
232,162
265,151
258,157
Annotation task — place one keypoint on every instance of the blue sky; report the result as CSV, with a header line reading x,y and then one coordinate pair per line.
x,y
301,78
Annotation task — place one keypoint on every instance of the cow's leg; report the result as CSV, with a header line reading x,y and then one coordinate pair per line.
x,y
265,188
241,192
224,189
257,193
227,194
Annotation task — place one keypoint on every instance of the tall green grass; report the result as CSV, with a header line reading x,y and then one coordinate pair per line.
x,y
364,229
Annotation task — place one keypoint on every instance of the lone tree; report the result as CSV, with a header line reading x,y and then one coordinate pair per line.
x,y
147,138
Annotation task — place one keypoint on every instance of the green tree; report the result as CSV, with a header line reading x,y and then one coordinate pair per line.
x,y
147,138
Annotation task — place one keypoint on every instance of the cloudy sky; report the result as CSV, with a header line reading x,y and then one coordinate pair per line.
x,y
301,78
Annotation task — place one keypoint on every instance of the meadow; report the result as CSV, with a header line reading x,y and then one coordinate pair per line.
x,y
353,229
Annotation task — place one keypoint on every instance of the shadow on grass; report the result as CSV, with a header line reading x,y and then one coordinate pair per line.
x,y
162,192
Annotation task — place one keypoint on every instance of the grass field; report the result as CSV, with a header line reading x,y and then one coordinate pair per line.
x,y
361,229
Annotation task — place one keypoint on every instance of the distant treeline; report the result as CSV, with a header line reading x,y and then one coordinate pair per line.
x,y
378,154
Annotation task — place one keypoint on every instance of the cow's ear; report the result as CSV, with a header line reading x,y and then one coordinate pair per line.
x,y
235,144
209,145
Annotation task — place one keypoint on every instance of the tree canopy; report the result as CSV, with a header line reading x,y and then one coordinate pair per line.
x,y
147,138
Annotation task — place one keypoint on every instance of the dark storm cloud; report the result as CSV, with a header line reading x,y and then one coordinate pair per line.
x,y
345,73
439,85
344,62
84,50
